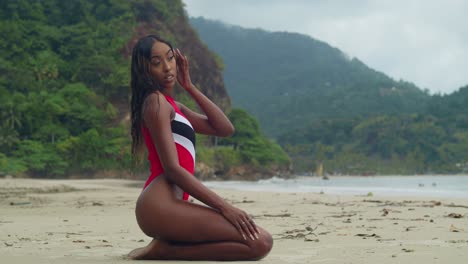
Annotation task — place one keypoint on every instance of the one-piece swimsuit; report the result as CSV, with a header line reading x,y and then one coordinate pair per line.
x,y
184,139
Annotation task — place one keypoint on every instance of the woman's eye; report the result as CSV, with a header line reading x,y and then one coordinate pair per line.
x,y
155,63
171,57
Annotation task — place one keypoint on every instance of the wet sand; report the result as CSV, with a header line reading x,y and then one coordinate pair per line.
x,y
92,221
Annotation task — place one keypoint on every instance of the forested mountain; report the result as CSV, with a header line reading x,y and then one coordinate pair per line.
x,y
451,106
326,108
288,80
435,141
64,83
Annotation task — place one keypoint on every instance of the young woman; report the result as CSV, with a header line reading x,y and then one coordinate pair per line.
x,y
181,230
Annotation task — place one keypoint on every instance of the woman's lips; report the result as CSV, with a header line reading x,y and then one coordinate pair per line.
x,y
169,78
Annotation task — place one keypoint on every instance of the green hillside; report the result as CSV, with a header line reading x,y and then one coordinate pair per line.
x,y
325,108
64,83
435,141
288,80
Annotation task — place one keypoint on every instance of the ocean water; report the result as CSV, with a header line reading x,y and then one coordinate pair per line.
x,y
421,186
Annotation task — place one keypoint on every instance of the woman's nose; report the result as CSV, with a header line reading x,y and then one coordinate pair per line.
x,y
167,66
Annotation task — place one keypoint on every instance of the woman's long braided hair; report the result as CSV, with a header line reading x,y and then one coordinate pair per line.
x,y
142,84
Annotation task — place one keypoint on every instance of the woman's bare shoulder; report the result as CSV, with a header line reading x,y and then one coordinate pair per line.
x,y
154,104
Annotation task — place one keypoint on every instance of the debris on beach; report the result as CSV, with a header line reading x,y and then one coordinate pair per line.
x,y
372,201
385,212
277,215
457,241
455,229
19,203
455,215
308,234
456,205
364,236
309,238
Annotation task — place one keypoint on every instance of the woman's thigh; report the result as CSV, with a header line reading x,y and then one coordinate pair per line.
x,y
160,214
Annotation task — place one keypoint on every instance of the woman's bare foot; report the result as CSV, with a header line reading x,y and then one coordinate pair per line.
x,y
154,250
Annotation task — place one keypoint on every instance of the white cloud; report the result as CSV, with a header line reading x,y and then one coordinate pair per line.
x,y
419,41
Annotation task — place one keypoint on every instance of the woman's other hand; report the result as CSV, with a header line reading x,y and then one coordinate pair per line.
x,y
242,221
183,75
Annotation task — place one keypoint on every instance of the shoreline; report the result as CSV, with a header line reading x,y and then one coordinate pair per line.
x,y
420,186
92,221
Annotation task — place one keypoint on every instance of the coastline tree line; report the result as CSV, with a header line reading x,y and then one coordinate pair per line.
x,y
432,142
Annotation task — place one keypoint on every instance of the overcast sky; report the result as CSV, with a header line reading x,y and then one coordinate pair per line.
x,y
421,41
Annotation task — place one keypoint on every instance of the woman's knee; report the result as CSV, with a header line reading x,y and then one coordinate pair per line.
x,y
262,246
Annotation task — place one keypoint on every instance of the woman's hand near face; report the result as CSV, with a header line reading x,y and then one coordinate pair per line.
x,y
241,220
214,121
183,75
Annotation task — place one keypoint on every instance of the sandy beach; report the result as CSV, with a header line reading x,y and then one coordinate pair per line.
x,y
92,221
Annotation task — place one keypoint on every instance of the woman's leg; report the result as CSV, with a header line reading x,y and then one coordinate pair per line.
x,y
189,231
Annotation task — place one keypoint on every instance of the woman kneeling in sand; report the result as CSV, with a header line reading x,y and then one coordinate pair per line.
x,y
181,230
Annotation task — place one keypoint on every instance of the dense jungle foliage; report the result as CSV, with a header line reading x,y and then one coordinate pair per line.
x,y
64,78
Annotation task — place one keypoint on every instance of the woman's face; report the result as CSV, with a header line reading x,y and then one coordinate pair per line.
x,y
163,64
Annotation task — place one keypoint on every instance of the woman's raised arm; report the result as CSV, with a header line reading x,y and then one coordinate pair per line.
x,y
214,122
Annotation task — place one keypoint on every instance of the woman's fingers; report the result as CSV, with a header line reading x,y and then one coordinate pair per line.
x,y
239,228
249,228
242,222
248,225
181,58
183,74
252,227
181,69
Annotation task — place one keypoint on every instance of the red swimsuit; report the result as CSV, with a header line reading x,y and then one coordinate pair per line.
x,y
184,139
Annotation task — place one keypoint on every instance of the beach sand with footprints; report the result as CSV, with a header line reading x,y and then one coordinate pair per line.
x,y
93,221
